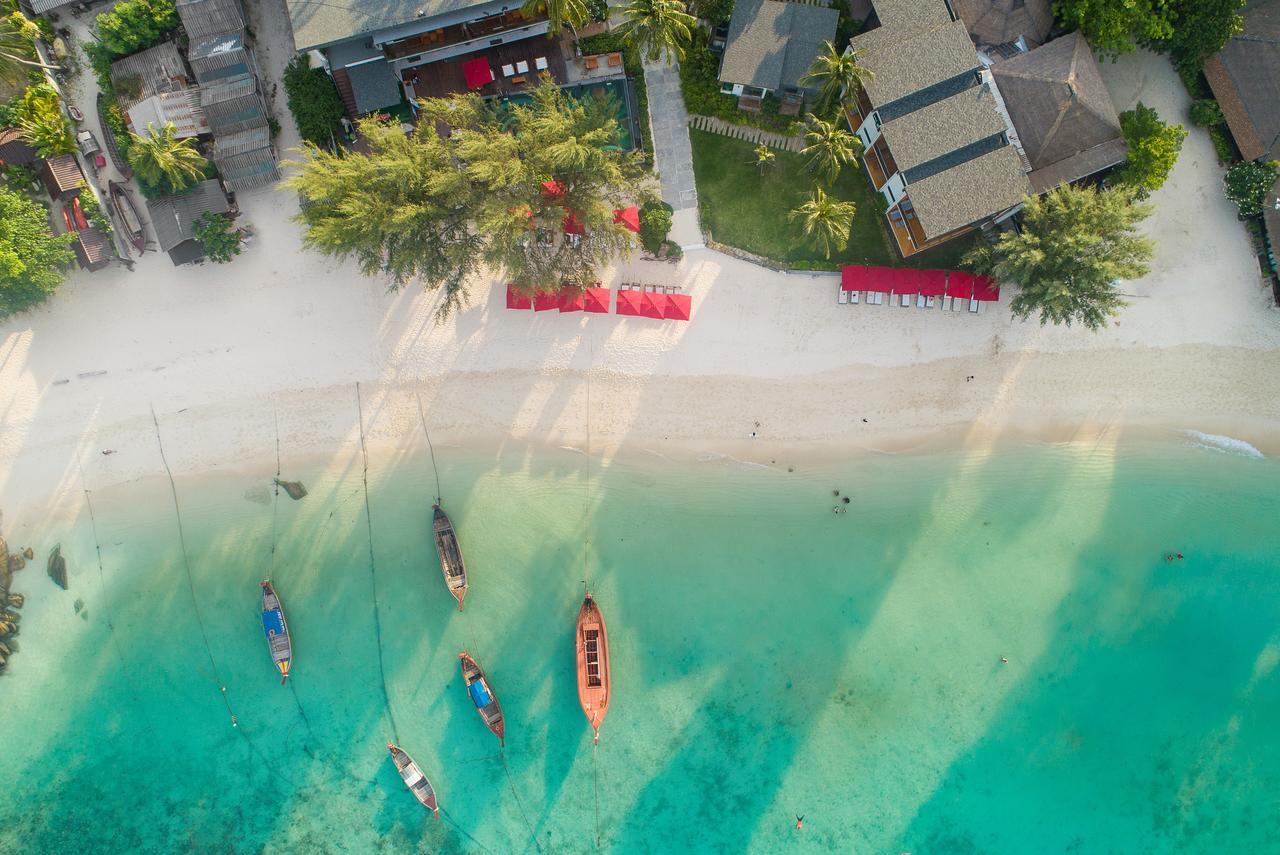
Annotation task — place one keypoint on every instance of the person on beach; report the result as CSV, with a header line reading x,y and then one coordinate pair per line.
x,y
799,821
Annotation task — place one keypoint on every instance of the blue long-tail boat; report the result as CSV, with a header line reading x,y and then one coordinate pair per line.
x,y
277,630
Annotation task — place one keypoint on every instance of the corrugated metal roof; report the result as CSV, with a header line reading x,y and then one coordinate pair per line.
x,y
178,108
204,18
62,174
318,23
174,217
156,69
251,169
229,145
39,7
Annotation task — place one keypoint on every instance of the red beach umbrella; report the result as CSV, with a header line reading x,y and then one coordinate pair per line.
x,y
572,226
545,302
653,305
629,217
571,300
856,277
933,283
516,299
959,284
628,303
679,307
596,300
477,72
985,288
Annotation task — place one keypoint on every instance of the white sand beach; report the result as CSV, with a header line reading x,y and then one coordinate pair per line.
x,y
213,349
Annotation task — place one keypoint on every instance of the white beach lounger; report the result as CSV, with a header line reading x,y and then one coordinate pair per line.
x,y
540,63
946,304
522,67
919,301
879,298
904,301
842,297
958,305
928,302
508,71
975,306
854,296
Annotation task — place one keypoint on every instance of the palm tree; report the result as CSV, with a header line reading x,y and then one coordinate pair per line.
x,y
163,161
826,220
830,148
18,34
559,13
764,157
838,75
655,26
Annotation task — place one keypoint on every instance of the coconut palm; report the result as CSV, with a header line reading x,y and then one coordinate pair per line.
x,y
826,220
165,162
837,75
658,26
830,148
559,13
18,34
764,157
38,116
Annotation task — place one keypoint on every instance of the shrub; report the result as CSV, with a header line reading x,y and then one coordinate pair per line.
x,y
89,204
313,100
655,224
113,118
32,260
38,117
717,12
218,239
1222,144
598,10
1247,184
1205,113
1153,149
134,25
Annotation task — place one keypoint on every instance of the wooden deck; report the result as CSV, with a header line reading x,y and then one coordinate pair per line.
x,y
903,240
444,78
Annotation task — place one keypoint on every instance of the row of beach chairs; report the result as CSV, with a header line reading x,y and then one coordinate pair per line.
x,y
877,298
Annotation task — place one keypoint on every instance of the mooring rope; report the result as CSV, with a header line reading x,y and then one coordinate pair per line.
x,y
516,794
449,819
586,573
275,502
373,571
191,585
423,419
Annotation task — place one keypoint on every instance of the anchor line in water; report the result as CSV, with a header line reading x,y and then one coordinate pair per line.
x,y
275,502
423,419
449,819
373,570
191,585
516,795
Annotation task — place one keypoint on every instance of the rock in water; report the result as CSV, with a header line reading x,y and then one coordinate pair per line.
x,y
28,553
79,604
57,567
16,600
293,488
17,562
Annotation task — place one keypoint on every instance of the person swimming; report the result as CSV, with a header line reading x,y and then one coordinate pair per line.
x,y
799,821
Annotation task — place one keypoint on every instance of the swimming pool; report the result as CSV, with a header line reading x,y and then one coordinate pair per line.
x,y
623,94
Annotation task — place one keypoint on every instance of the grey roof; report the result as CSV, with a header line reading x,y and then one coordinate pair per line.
x,y
772,44
156,69
969,192
1061,109
174,217
229,145
204,18
14,150
233,105
39,7
942,127
1245,78
318,23
994,22
374,85
248,170
62,175
915,60
219,57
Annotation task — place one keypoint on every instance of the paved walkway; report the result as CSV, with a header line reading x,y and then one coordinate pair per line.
x,y
746,132
672,154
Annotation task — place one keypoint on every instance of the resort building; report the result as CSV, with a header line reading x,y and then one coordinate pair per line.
x,y
1006,22
1245,78
174,219
771,45
954,138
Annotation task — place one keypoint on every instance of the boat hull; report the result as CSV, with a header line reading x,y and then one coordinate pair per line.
x,y
594,674
276,628
449,551
482,696
128,215
416,782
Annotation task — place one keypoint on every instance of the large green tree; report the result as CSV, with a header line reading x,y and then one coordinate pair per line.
x,y
39,119
17,43
163,162
314,101
829,148
656,27
837,74
32,259
559,13
1075,246
1153,149
1202,28
1118,26
528,189
826,221
1247,184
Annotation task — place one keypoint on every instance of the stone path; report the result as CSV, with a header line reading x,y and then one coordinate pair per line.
x,y
672,154
746,132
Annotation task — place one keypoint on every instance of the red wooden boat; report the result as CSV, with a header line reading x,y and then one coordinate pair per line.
x,y
413,778
593,664
482,696
77,212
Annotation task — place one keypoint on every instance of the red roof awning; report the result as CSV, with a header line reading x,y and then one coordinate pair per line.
x,y
653,305
933,283
959,284
629,217
985,288
596,300
628,303
679,307
516,299
477,72
572,226
903,280
571,300
545,302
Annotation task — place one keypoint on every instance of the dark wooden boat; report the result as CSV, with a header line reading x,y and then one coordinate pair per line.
x,y
486,702
451,564
128,215
593,664
277,630
414,779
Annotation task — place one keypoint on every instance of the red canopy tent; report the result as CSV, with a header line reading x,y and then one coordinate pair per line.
x,y
572,226
985,288
933,283
516,299
545,302
596,300
629,217
855,277
679,307
653,305
628,303
959,284
571,300
903,280
477,72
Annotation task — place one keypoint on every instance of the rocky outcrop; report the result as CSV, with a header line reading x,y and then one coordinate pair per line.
x,y
293,488
57,567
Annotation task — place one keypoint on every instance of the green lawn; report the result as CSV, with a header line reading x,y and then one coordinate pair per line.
x,y
747,210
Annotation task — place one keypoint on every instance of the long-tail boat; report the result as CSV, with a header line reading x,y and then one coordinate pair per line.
x,y
482,696
451,564
593,664
128,215
414,779
277,630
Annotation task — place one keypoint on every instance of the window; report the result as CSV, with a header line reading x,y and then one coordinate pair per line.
x,y
875,117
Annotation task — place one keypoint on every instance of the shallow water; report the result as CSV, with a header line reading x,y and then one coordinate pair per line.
x,y
770,658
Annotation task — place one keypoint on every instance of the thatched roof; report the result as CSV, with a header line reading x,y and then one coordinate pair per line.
x,y
995,22
1245,78
1066,123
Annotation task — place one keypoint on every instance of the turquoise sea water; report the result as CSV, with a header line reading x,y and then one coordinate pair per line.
x,y
770,658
